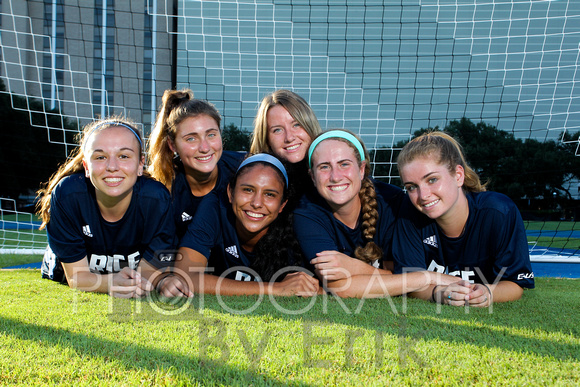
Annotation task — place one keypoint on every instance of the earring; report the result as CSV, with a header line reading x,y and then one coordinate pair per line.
x,y
175,155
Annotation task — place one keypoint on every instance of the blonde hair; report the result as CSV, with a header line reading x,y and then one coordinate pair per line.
x,y
75,160
177,105
446,151
295,105
370,252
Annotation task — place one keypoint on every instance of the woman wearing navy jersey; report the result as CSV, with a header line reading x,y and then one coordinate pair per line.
x,y
285,126
239,239
345,228
450,224
103,217
187,154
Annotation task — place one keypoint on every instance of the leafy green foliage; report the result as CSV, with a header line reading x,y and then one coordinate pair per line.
x,y
235,139
519,168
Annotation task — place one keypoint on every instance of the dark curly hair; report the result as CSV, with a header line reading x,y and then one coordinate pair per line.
x,y
278,248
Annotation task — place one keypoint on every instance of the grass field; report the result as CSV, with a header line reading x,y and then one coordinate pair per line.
x,y
7,260
554,242
50,334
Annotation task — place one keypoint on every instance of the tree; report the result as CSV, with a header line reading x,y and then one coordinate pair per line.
x,y
235,139
27,156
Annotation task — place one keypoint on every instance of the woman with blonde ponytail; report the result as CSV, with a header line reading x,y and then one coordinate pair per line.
x,y
186,153
449,223
345,228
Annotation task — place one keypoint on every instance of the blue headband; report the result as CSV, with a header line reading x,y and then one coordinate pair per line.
x,y
336,134
117,123
264,157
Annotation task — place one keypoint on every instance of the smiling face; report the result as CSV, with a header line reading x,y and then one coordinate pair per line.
x,y
198,142
286,137
337,175
256,199
112,162
432,188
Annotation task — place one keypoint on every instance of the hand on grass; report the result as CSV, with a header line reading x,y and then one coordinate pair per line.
x,y
296,284
173,286
464,293
128,283
480,296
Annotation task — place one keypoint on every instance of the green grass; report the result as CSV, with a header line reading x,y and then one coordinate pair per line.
x,y
7,260
19,216
23,239
51,334
556,242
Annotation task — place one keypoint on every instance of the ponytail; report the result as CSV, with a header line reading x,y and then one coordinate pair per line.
x,y
177,105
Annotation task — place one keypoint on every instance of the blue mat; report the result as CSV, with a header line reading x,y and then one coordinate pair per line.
x,y
35,265
550,269
10,225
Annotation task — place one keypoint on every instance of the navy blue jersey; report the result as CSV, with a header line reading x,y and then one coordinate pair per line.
x,y
185,203
213,234
318,230
493,242
77,230
300,183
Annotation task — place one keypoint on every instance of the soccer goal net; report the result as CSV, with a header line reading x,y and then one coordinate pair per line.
x,y
379,68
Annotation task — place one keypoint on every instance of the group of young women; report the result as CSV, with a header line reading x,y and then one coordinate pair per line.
x,y
299,215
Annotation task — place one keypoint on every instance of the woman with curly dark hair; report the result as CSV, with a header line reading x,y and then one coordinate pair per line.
x,y
237,241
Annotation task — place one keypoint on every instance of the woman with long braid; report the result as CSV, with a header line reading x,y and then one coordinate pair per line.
x,y
345,228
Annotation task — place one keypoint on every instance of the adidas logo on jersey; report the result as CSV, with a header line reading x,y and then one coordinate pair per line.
x,y
87,231
233,251
185,217
431,241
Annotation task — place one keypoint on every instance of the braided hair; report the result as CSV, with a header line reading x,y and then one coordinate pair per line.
x,y
370,252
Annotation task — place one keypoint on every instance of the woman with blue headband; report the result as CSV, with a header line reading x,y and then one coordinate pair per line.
x,y
346,227
102,216
240,239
